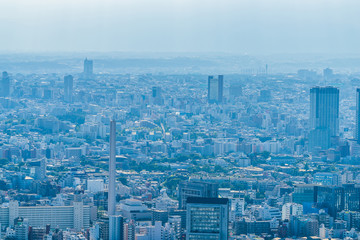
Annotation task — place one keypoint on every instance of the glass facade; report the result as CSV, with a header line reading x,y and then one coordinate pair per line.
x,y
205,237
205,219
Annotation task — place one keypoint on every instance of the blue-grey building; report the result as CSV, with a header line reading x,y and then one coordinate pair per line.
x,y
324,116
215,89
207,218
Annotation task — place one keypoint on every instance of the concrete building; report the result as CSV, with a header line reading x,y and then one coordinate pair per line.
x,y
21,228
74,217
129,230
95,185
291,209
135,210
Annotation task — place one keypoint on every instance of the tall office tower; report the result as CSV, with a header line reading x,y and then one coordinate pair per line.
x,y
357,133
88,67
207,218
324,109
215,89
324,116
68,88
157,95
5,84
196,189
328,73
112,173
116,227
156,92
78,214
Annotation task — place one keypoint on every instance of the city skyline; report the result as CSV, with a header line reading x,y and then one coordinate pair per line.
x,y
179,119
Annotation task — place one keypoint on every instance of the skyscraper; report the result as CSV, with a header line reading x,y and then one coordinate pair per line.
x,y
328,73
157,95
116,227
68,88
88,67
5,84
324,109
324,116
215,89
207,218
357,133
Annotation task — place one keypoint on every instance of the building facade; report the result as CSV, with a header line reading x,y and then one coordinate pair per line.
x,y
324,116
196,189
207,218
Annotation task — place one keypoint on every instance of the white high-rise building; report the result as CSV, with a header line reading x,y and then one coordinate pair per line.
x,y
175,224
154,232
291,209
237,208
95,185
76,216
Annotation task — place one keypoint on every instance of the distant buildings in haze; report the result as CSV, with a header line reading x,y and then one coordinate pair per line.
x,y
215,89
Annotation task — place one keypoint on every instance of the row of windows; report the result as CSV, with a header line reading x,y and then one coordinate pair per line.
x,y
202,237
205,209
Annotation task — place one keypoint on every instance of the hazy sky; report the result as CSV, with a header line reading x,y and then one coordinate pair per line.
x,y
232,26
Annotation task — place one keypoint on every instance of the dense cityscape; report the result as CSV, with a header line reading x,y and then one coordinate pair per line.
x,y
172,156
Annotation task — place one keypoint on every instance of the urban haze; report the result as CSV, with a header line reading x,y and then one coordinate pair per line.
x,y
179,119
